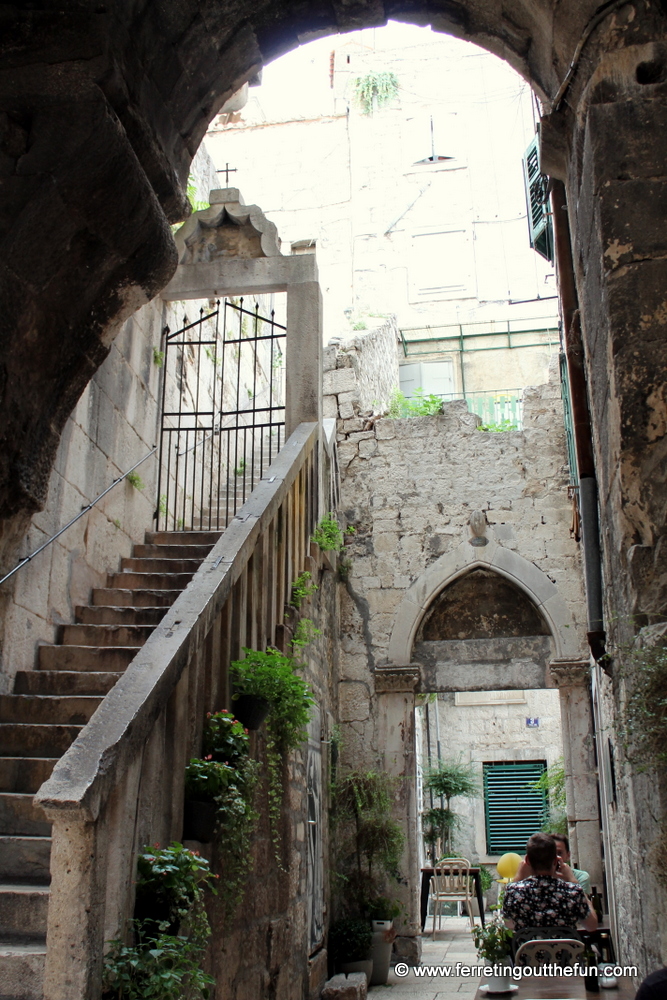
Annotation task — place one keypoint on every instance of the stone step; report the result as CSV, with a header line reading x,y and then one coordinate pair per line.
x,y
182,537
19,816
100,615
105,635
132,565
74,710
22,969
25,859
23,909
198,552
18,740
99,659
65,682
24,774
149,581
134,598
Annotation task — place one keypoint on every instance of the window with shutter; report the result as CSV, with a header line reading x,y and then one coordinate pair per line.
x,y
514,811
540,229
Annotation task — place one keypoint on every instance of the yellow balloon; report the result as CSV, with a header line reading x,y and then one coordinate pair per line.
x,y
508,865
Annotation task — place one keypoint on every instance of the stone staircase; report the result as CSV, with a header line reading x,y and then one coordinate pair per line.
x,y
49,707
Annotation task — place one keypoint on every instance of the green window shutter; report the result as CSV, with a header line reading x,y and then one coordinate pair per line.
x,y
540,229
513,810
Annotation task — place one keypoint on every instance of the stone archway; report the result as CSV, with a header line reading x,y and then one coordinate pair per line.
x,y
567,669
103,107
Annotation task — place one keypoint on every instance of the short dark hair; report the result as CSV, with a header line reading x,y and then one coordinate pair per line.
x,y
541,851
563,839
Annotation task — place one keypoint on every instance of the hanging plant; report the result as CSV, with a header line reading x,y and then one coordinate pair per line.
x,y
375,90
225,779
270,675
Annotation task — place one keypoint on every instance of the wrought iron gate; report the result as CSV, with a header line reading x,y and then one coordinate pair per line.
x,y
223,414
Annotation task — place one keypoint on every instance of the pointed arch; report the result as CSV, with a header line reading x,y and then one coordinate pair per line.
x,y
524,574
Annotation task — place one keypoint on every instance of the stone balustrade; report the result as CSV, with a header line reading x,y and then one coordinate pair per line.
x,y
120,785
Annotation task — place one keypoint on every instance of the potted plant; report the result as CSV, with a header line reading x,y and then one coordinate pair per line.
x,y
205,783
350,945
450,779
494,948
169,883
271,675
382,912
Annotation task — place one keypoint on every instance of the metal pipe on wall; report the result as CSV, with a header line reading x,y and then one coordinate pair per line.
x,y
574,353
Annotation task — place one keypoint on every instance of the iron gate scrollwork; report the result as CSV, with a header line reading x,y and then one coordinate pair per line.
x,y
223,414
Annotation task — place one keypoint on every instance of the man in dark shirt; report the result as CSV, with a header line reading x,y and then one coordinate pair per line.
x,y
550,896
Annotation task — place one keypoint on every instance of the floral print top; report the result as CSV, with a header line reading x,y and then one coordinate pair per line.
x,y
545,901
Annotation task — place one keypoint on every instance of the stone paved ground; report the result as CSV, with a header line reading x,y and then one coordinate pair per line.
x,y
452,944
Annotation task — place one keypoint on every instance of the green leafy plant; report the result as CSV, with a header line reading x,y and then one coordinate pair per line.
x,y
207,780
643,716
134,479
158,357
344,567
328,535
383,908
439,824
552,783
305,633
493,942
486,878
172,878
498,428
225,738
375,90
418,405
350,940
162,504
360,325
162,968
227,776
240,468
302,588
270,675
368,842
451,779
196,204
350,530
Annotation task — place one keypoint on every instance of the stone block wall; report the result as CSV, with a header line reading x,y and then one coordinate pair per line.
x,y
360,375
409,487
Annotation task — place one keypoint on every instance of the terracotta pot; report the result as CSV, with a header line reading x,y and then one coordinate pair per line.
x,y
199,820
250,710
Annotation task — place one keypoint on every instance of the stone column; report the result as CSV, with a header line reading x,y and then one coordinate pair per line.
x,y
572,677
75,929
303,362
395,689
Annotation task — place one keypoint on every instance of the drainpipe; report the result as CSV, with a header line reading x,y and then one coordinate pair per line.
x,y
588,491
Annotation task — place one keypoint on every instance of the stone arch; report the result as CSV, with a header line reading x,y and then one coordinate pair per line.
x,y
449,567
99,136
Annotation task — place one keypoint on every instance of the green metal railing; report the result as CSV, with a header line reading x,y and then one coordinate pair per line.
x,y
501,409
460,337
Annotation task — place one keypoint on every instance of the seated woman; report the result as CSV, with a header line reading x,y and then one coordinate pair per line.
x,y
548,894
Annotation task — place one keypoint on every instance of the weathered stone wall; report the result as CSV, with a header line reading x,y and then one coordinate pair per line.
x,y
496,732
274,945
113,425
360,374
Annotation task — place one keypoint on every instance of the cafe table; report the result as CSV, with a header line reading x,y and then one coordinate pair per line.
x,y
559,988
427,873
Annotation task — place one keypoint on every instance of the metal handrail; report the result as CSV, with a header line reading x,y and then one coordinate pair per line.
x,y
84,510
